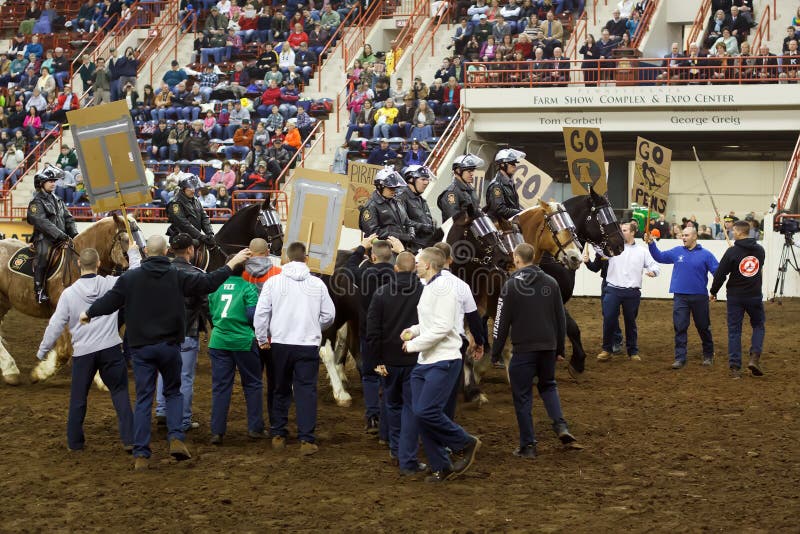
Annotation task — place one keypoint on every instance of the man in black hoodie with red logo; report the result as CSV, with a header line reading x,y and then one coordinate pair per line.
x,y
744,261
537,339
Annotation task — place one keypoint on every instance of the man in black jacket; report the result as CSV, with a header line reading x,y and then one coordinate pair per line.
x,y
368,276
196,315
420,219
744,261
186,214
153,297
393,309
502,200
537,339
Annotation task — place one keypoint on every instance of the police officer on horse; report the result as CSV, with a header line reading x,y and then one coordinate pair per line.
x,y
419,213
459,199
383,214
502,200
186,214
52,225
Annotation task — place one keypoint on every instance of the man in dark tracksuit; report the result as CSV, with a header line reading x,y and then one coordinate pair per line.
x,y
459,200
744,261
52,224
384,215
537,339
368,277
393,309
502,200
186,214
420,219
600,265
153,296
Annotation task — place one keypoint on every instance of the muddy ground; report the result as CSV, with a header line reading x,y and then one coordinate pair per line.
x,y
664,450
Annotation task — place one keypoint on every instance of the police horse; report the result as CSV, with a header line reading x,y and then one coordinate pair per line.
x,y
108,236
482,255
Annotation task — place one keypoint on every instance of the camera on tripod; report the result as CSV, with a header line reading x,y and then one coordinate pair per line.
x,y
789,227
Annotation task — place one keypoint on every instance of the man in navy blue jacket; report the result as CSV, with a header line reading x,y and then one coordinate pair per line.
x,y
691,266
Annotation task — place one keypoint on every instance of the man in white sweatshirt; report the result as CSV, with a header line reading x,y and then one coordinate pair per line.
x,y
438,342
293,309
96,347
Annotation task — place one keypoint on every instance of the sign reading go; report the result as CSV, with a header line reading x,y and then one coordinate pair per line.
x,y
530,182
586,161
651,176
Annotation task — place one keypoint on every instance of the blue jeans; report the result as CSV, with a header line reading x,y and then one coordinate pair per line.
x,y
450,407
737,307
148,361
403,431
431,385
223,366
188,349
524,367
296,371
629,299
697,306
111,365
618,333
374,404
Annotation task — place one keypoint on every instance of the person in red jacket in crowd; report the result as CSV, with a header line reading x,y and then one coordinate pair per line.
x,y
67,101
260,180
242,142
289,97
451,97
270,97
297,36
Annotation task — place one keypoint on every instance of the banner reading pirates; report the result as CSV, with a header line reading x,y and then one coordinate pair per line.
x,y
360,176
530,182
316,213
587,163
651,176
108,155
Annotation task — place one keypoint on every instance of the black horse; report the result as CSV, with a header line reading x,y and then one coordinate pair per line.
x,y
256,220
595,223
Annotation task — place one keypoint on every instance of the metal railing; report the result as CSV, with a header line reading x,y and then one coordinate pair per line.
x,y
341,102
644,23
145,214
333,41
241,199
353,42
448,138
33,158
167,42
579,35
9,212
299,157
429,39
412,25
791,175
762,29
698,30
631,71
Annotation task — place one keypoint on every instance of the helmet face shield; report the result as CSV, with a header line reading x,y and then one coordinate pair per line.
x,y
468,162
189,181
413,172
509,155
389,178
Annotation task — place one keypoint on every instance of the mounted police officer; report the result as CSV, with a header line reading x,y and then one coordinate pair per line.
x,y
502,200
52,224
419,213
383,214
459,199
186,214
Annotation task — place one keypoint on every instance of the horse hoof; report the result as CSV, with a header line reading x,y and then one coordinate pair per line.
x,y
345,400
12,379
34,377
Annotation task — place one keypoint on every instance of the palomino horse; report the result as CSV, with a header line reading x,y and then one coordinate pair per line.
x,y
108,236
595,223
260,220
482,263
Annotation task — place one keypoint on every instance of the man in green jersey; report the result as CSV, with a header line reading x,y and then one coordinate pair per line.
x,y
232,346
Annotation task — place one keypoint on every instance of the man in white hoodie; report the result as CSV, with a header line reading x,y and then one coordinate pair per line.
x,y
438,342
96,347
293,309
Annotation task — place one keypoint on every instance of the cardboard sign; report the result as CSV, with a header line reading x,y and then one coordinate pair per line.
x,y
651,175
108,156
530,182
316,213
359,189
586,161
479,184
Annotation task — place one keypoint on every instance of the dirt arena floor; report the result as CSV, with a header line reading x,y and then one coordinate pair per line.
x,y
665,450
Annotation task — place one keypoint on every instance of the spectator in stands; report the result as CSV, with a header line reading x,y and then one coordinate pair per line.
x,y
242,141
159,144
260,180
791,63
223,198
421,131
415,155
20,141
279,27
216,24
715,27
382,154
451,98
384,118
224,177
11,171
590,52
292,138
305,60
627,8
163,109
45,83
195,146
236,118
126,68
174,75
367,56
363,122
275,121
329,19
34,47
260,135
177,137
17,117
505,51
278,157
207,81
483,30
766,64
419,90
532,24
739,25
233,44
101,83
181,101
501,29
790,36
399,92
552,29
632,23
671,65
32,123
270,98
511,14
61,66
17,66
405,117
206,198
617,25
461,37
286,57
478,9
239,80
559,69
304,122
435,95
67,101
730,42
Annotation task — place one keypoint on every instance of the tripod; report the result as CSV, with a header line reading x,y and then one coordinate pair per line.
x,y
788,258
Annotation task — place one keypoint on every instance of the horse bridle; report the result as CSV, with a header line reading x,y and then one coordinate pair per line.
x,y
606,217
557,222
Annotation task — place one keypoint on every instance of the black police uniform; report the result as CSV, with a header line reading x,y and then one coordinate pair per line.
x,y
459,197
386,217
187,215
419,216
52,223
502,200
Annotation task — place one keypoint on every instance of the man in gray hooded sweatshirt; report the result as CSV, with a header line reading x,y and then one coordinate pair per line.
x,y
96,347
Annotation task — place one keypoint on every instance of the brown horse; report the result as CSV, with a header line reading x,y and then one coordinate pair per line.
x,y
108,236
